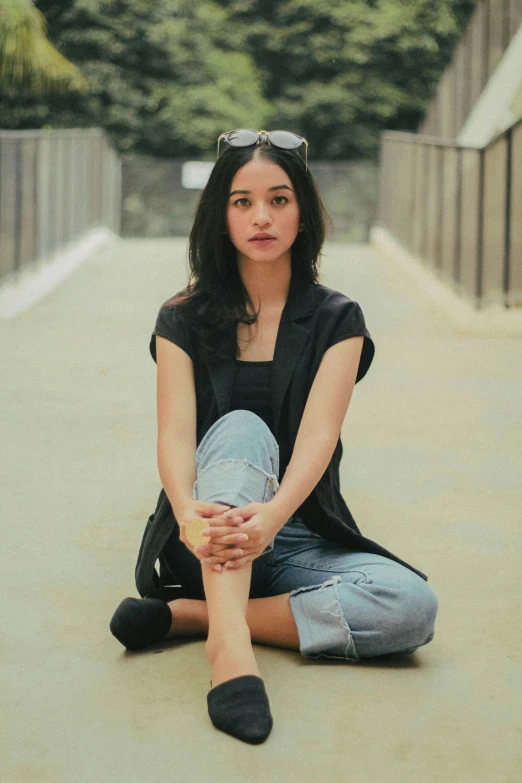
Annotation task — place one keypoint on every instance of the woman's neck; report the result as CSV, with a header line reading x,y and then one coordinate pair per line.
x,y
267,284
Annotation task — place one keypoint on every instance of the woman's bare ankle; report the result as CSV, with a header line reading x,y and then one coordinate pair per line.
x,y
236,635
230,655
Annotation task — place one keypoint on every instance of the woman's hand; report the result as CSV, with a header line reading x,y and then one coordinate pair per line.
x,y
257,520
214,513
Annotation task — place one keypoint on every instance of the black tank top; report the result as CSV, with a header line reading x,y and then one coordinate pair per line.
x,y
252,389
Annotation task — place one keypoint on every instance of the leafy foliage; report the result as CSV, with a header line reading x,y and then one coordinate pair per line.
x,y
26,54
157,80
167,77
340,71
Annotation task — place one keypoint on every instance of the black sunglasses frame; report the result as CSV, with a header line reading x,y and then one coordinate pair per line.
x,y
259,135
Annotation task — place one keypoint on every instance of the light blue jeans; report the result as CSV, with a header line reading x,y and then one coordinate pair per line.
x,y
346,604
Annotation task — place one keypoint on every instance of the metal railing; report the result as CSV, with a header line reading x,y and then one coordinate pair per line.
x,y
489,32
459,209
54,186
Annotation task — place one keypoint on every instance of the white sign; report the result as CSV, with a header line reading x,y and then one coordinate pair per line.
x,y
195,173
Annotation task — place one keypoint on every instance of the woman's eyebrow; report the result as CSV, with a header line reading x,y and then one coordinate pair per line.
x,y
247,192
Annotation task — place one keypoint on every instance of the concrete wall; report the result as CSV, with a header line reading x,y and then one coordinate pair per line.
x,y
155,204
500,105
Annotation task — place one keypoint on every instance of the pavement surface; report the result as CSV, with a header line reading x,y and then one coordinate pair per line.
x,y
431,469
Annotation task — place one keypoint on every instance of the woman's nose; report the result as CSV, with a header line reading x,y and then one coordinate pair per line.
x,y
261,215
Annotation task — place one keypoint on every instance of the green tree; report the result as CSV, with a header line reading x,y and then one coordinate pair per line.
x,y
167,77
158,79
26,54
340,71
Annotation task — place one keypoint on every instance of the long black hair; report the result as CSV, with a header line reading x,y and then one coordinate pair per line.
x,y
215,300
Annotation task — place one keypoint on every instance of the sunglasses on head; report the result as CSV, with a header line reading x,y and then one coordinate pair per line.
x,y
247,138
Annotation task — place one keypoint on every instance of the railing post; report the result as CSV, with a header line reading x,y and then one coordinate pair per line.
x,y
413,195
18,206
480,236
458,221
485,46
505,24
440,209
424,232
507,231
1,251
36,163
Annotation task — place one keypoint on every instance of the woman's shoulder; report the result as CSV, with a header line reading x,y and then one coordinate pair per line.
x,y
330,299
172,313
336,311
338,317
174,301
171,325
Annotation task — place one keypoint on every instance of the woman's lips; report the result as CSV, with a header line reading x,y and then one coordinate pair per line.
x,y
262,241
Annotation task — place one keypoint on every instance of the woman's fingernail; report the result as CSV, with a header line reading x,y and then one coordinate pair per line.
x,y
206,532
242,537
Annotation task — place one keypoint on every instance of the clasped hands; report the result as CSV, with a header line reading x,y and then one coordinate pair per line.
x,y
238,535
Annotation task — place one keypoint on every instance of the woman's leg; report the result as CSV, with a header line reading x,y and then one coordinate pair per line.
x,y
328,600
349,604
270,620
332,602
375,609
237,463
229,647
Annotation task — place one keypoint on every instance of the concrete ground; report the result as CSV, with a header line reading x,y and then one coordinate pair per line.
x,y
431,469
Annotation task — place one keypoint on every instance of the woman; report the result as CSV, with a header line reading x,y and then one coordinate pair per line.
x,y
256,366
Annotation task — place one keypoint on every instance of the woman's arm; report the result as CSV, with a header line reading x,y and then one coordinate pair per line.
x,y
320,426
177,445
176,403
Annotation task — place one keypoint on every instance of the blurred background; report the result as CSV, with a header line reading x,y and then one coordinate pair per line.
x,y
104,102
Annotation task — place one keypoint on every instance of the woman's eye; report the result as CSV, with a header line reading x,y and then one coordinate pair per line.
x,y
241,202
280,199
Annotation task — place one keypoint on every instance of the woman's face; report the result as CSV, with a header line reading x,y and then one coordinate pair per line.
x,y
262,212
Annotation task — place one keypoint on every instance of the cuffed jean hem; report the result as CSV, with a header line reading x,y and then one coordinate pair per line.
x,y
316,632
237,481
369,607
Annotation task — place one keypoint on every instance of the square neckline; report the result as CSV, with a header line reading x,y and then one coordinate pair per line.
x,y
248,361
